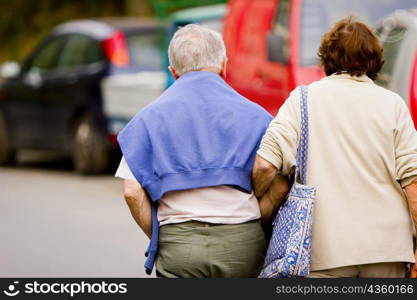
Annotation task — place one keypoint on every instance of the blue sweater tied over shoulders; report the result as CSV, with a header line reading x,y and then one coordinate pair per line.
x,y
198,133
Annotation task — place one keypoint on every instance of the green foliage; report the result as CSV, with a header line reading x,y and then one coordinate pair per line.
x,y
23,23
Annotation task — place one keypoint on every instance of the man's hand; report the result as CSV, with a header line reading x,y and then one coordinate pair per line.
x,y
411,192
139,205
262,176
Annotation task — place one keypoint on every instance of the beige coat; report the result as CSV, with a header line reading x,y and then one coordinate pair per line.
x,y
362,149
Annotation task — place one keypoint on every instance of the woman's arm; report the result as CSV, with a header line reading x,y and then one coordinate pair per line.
x,y
411,191
278,148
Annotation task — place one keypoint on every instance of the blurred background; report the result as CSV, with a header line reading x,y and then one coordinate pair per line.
x,y
73,73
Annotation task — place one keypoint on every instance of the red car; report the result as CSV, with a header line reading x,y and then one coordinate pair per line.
x,y
272,44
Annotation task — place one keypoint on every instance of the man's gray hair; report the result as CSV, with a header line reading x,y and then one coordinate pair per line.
x,y
194,47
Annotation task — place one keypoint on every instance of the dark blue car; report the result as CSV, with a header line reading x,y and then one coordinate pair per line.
x,y
72,91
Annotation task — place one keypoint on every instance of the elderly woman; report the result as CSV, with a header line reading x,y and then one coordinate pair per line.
x,y
362,157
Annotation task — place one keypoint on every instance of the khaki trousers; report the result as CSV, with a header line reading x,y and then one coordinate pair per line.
x,y
380,270
196,249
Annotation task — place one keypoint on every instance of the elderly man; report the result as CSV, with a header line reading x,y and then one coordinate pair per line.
x,y
187,161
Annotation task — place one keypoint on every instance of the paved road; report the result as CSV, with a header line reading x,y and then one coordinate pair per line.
x,y
55,223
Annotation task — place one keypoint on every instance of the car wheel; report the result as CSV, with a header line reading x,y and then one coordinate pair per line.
x,y
7,155
91,150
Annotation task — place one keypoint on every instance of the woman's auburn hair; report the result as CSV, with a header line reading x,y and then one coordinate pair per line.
x,y
352,47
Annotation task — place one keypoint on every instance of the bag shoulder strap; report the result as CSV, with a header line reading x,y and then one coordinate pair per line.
x,y
302,150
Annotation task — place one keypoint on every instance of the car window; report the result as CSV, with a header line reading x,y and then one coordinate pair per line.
x,y
80,50
94,52
281,28
46,58
391,44
144,50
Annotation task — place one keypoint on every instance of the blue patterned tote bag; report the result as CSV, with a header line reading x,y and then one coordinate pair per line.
x,y
289,249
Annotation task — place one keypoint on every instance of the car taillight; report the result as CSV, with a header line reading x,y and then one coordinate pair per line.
x,y
115,48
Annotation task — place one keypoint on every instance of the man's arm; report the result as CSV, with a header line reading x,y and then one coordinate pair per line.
x,y
273,197
269,187
263,174
411,191
139,205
